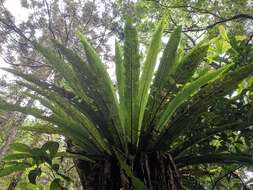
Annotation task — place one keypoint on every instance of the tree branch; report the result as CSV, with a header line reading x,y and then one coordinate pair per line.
x,y
187,7
49,19
235,17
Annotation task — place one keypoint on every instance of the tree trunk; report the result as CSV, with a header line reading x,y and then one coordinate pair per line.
x,y
157,171
14,181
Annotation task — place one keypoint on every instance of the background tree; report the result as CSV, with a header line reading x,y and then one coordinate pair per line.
x,y
196,17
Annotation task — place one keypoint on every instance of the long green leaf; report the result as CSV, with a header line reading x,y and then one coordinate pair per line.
x,y
166,69
187,91
183,70
62,117
98,110
148,71
98,78
29,111
189,63
132,72
60,101
41,128
20,147
120,72
64,121
167,65
71,111
65,70
200,102
109,95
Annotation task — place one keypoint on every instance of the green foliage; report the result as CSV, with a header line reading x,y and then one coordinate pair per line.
x,y
120,72
52,147
40,128
33,174
56,185
17,156
132,72
19,147
13,168
148,70
186,92
35,159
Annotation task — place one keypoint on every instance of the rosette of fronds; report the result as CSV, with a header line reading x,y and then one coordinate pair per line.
x,y
137,132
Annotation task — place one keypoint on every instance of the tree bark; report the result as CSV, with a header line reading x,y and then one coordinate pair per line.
x,y
157,171
14,181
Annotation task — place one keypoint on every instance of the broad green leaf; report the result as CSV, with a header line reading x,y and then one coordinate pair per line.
x,y
33,174
17,156
55,167
95,62
56,185
240,37
121,82
223,32
184,70
20,147
168,62
37,155
13,168
52,147
221,46
47,158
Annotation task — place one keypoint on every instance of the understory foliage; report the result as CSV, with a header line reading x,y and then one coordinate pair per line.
x,y
166,123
